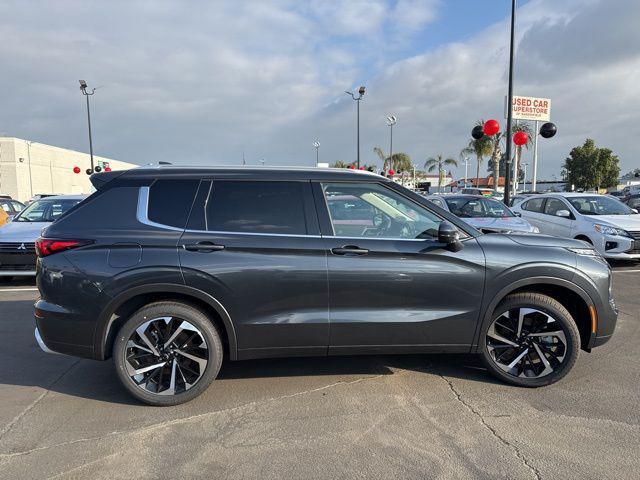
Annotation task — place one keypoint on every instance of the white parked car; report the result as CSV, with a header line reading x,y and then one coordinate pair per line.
x,y
608,224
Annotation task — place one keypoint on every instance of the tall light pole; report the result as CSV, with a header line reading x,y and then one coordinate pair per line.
x,y
87,94
391,121
524,180
357,99
507,174
316,145
466,167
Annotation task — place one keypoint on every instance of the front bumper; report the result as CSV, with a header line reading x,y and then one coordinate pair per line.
x,y
616,247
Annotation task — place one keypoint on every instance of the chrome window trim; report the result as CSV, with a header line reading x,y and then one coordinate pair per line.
x,y
142,215
142,212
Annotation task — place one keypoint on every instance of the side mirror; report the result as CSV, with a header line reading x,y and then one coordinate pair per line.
x,y
449,235
517,214
563,213
635,210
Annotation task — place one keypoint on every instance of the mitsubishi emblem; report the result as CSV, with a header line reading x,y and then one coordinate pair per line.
x,y
22,247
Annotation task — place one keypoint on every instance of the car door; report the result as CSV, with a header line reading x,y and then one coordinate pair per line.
x,y
392,286
558,226
255,247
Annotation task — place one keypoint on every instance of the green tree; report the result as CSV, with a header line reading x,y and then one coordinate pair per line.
x,y
400,162
481,148
589,167
438,163
339,164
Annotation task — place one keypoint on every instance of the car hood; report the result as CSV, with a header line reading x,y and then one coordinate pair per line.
x,y
514,224
539,240
626,222
21,231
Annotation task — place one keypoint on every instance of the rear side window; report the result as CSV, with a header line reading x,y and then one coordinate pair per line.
x,y
170,201
533,205
256,207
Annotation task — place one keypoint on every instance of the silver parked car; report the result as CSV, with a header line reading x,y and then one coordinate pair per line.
x,y
608,224
485,214
17,238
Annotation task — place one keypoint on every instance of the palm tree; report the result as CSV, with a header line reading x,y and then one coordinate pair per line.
x,y
526,128
480,148
399,161
495,158
339,164
438,162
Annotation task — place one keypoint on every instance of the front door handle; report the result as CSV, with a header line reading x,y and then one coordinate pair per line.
x,y
349,250
203,247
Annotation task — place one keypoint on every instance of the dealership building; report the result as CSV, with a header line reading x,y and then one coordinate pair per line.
x,y
30,168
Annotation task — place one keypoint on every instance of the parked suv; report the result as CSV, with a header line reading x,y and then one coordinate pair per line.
x,y
173,270
601,220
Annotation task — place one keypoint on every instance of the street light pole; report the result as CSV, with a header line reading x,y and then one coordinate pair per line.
x,y
357,99
507,175
83,89
466,167
391,121
316,144
524,180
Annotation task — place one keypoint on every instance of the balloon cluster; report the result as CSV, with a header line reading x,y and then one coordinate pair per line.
x,y
491,127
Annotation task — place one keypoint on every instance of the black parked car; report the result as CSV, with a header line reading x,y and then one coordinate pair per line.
x,y
171,270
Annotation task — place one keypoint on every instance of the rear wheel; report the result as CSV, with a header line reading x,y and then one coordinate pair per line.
x,y
167,353
531,341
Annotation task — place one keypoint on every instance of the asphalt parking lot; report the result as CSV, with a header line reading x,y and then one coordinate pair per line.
x,y
348,417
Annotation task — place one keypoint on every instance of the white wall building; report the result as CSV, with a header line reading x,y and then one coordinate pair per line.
x,y
29,168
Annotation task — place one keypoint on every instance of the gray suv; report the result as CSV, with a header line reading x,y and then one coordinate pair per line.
x,y
173,271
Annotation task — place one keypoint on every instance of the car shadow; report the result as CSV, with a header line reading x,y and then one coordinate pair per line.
x,y
26,365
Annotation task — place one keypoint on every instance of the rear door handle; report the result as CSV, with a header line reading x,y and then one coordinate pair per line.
x,y
349,250
203,247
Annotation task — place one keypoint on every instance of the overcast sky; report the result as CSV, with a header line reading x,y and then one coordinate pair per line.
x,y
203,82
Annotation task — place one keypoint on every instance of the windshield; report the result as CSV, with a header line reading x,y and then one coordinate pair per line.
x,y
599,205
46,210
469,207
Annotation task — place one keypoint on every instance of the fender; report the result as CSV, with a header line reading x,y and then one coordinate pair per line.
x,y
105,321
541,280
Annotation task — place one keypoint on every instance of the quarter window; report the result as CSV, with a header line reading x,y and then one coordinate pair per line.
x,y
257,207
170,201
371,210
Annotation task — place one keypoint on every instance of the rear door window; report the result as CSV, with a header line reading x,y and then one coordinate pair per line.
x,y
533,205
257,207
170,201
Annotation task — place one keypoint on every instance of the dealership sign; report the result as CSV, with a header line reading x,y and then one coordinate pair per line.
x,y
529,108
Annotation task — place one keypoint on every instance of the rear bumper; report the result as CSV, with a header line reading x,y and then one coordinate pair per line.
x,y
61,331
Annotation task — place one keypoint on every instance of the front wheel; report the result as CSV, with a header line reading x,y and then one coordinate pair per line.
x,y
167,353
531,341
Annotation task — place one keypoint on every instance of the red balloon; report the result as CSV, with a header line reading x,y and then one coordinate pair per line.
x,y
392,173
107,169
491,127
351,167
520,138
361,168
76,169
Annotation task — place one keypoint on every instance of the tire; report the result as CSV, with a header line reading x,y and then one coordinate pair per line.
x,y
186,370
501,346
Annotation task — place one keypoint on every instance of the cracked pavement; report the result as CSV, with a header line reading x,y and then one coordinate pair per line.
x,y
345,417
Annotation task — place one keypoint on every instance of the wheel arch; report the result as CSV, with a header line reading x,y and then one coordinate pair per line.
x,y
576,300
122,306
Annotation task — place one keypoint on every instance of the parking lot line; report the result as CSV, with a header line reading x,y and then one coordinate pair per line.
x,y
626,271
20,289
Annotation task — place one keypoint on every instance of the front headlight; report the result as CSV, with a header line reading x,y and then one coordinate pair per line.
x,y
585,251
608,230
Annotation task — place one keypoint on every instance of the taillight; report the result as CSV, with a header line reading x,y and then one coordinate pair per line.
x,y
48,246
